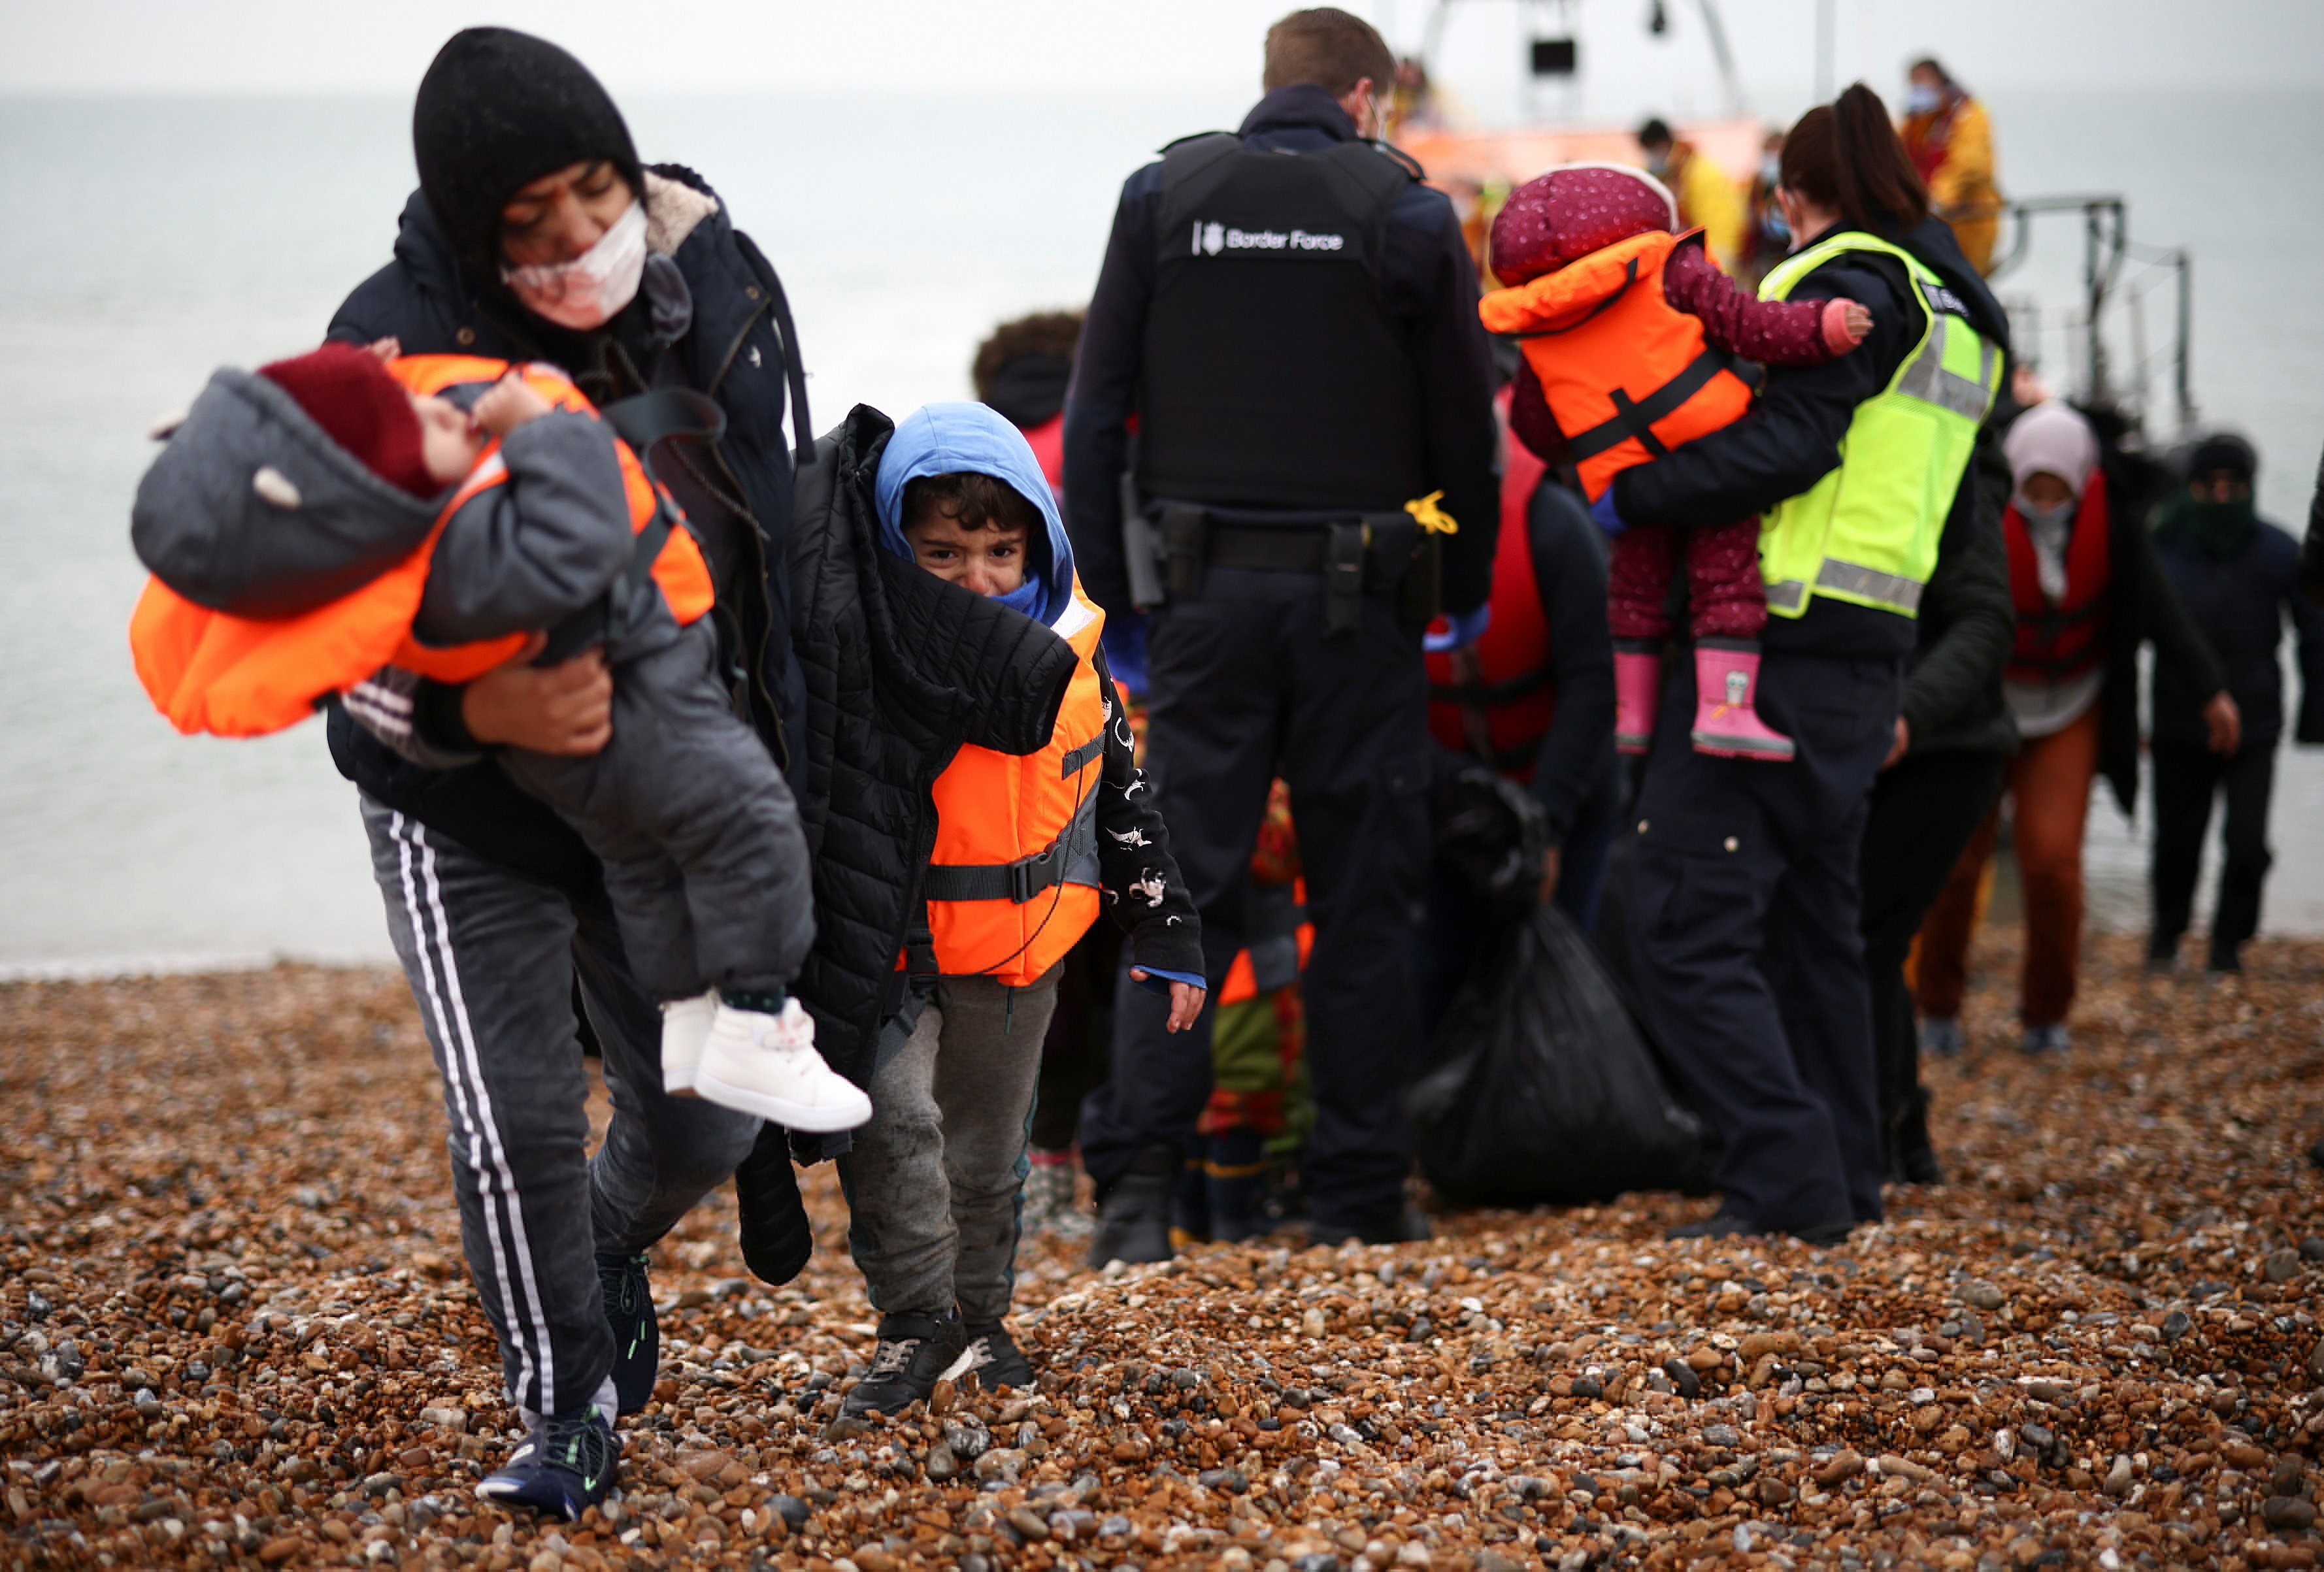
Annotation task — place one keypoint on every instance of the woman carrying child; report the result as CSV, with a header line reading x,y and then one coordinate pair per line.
x,y
1744,914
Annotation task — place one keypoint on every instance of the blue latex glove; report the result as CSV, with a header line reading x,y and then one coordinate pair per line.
x,y
1460,632
1602,510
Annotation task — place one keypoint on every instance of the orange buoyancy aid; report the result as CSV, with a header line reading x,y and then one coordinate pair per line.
x,y
2056,642
1013,882
244,677
1628,374
1495,700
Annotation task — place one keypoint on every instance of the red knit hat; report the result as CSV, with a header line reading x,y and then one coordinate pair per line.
x,y
347,393
1575,209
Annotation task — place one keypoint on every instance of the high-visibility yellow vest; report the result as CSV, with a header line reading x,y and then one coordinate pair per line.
x,y
1866,532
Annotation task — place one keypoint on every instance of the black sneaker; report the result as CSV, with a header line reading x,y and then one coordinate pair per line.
x,y
914,1353
1726,1225
774,1232
993,1357
637,1335
564,1467
1133,1216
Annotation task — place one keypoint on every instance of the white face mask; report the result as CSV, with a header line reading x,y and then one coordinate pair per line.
x,y
2057,514
586,292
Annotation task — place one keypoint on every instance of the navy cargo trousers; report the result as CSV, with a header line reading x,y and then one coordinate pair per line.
x,y
1244,684
1745,943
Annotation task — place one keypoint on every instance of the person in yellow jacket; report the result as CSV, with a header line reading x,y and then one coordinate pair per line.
x,y
1949,140
1708,200
1027,851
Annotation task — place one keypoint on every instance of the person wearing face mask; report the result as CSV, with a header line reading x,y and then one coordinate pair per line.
x,y
1951,139
2088,592
1766,236
1708,200
2234,573
538,235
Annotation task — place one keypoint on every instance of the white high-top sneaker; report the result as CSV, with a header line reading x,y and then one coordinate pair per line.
x,y
685,1028
767,1065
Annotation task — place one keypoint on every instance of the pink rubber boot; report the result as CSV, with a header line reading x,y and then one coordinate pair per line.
x,y
1637,692
1727,722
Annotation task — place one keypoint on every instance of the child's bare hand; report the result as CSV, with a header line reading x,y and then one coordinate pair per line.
x,y
508,404
1186,1000
1856,320
385,348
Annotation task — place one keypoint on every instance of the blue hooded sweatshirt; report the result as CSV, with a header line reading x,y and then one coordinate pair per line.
x,y
964,438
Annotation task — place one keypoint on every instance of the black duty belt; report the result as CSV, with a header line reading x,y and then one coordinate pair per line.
x,y
1346,552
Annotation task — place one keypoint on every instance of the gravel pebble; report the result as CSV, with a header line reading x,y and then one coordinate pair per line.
x,y
235,1326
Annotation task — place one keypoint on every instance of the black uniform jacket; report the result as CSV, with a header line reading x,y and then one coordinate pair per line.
x,y
1431,287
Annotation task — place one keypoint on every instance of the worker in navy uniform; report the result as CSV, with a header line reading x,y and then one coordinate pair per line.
x,y
1286,318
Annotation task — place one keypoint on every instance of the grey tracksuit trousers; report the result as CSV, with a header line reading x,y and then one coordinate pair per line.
x,y
704,859
492,957
934,1181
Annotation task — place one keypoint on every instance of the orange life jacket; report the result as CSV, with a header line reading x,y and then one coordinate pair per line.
x,y
1495,700
1628,374
2057,642
1013,882
244,676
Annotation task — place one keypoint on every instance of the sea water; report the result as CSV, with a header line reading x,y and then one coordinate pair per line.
x,y
150,240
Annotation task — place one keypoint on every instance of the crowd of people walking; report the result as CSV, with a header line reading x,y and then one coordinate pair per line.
x,y
791,772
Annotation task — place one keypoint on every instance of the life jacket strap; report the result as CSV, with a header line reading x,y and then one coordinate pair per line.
x,y
641,422
1636,418
1070,858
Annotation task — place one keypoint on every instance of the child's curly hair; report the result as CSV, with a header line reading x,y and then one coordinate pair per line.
x,y
972,500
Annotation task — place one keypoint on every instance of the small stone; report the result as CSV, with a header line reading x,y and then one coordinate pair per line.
x,y
1683,1377
1028,1522
1320,1561
1310,1322
872,1557
1000,1463
2117,1479
2177,1325
1981,1295
2283,1265
1842,1466
1233,1481
1494,1561
941,1463
791,1509
2288,1512
274,1552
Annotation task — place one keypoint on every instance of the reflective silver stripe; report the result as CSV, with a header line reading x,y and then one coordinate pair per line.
x,y
1887,589
1927,380
1788,596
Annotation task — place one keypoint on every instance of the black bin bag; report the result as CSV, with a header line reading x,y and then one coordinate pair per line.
x,y
1544,1090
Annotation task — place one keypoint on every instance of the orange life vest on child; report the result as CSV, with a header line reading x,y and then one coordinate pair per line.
x,y
1013,882
2057,642
1494,701
244,676
1628,374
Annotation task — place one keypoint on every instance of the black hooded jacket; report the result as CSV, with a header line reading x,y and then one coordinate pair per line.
x,y
738,348
902,669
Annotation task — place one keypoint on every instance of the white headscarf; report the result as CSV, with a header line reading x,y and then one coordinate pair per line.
x,y
2051,438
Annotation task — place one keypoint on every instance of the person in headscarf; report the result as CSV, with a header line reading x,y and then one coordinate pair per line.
x,y
2235,574
2088,592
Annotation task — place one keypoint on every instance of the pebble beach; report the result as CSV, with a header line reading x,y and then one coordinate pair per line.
x,y
235,1328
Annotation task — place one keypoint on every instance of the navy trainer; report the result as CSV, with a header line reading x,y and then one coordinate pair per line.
x,y
637,1335
564,1467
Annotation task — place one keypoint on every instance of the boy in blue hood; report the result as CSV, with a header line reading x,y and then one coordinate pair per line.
x,y
1029,851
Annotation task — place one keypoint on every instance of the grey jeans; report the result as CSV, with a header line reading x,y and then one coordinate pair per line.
x,y
492,957
934,1182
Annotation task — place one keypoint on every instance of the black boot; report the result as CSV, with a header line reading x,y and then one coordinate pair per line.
x,y
776,1237
1133,1216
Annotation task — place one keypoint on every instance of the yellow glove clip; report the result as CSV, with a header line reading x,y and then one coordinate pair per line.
x,y
1431,518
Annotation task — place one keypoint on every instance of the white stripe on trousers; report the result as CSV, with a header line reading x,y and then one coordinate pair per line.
x,y
534,1357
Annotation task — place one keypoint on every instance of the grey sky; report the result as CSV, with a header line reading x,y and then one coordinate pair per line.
x,y
1183,46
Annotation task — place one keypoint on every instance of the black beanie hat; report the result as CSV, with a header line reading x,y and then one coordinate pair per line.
x,y
497,110
2225,452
